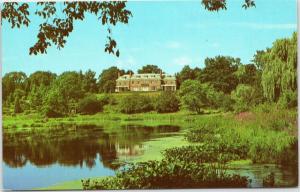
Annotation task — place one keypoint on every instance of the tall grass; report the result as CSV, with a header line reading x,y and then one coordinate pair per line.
x,y
256,134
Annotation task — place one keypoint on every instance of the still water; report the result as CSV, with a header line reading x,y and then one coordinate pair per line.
x,y
41,158
36,159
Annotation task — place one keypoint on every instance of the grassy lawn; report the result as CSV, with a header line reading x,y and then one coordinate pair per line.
x,y
37,122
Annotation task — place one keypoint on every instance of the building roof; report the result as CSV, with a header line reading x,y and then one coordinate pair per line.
x,y
146,76
169,77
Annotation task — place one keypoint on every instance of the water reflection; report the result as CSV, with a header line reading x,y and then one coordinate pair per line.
x,y
73,145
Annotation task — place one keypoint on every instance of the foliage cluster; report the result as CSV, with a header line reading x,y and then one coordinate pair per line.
x,y
253,139
167,174
136,103
167,102
245,97
90,105
197,96
280,68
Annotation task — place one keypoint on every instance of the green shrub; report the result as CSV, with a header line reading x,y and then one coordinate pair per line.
x,y
55,105
225,102
197,96
167,102
167,175
253,139
50,112
135,103
90,105
288,99
265,108
244,97
18,108
105,99
206,153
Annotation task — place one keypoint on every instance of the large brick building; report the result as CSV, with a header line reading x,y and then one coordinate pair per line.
x,y
146,82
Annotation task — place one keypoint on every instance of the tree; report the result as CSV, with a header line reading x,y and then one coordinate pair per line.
x,y
69,85
66,90
57,23
55,105
167,102
37,95
89,81
220,73
187,73
197,96
135,103
18,108
260,58
128,72
150,69
37,86
39,78
247,74
11,82
107,79
216,5
280,69
244,97
90,105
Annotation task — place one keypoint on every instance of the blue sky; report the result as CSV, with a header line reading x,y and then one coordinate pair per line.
x,y
167,34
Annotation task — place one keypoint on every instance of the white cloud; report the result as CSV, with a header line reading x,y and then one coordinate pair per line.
x,y
183,60
126,63
214,45
173,45
267,25
251,25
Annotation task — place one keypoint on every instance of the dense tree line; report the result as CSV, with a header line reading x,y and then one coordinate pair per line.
x,y
223,83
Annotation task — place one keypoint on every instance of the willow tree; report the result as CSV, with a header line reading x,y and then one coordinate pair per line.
x,y
280,68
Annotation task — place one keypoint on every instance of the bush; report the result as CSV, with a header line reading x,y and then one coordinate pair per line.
x,y
206,153
90,105
107,99
288,99
50,112
244,97
167,102
18,108
226,103
55,105
135,103
196,96
165,175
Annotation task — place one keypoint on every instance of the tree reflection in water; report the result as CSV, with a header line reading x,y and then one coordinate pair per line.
x,y
73,145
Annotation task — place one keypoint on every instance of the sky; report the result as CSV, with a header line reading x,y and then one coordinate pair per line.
x,y
167,34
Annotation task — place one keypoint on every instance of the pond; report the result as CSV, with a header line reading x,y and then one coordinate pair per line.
x,y
43,157
284,176
36,158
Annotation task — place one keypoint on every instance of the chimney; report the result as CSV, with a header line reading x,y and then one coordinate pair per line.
x,y
130,74
118,74
160,73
